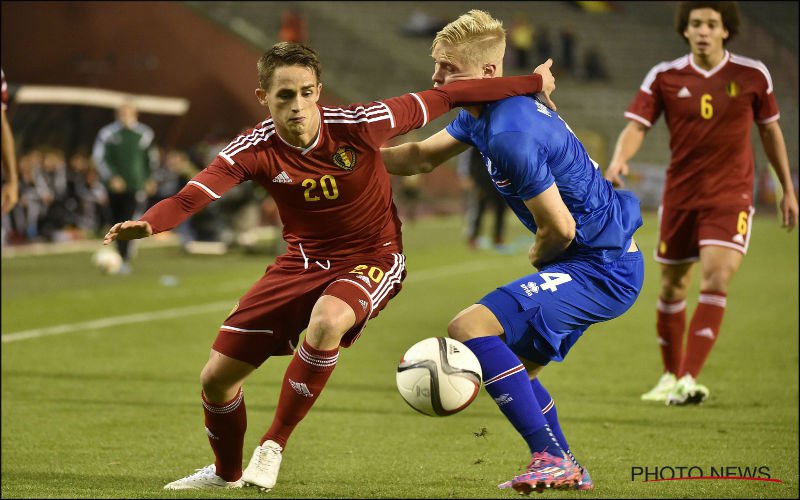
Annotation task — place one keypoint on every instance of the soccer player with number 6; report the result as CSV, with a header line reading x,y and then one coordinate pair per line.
x,y
589,267
344,259
710,99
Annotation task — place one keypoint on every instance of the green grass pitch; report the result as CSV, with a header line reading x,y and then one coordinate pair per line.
x,y
106,403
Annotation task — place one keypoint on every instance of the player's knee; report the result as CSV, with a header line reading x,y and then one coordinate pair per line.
x,y
460,329
717,280
325,328
674,288
216,387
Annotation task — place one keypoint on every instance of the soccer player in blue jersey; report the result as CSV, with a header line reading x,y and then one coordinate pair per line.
x,y
589,268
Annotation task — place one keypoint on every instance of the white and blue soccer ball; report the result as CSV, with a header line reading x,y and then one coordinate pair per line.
x,y
107,260
439,376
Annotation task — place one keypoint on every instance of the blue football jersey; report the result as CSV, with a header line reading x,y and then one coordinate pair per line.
x,y
526,148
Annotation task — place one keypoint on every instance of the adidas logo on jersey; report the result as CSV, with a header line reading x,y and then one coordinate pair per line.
x,y
684,92
282,178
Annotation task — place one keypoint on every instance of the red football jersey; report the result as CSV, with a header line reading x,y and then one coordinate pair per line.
x,y
709,115
334,196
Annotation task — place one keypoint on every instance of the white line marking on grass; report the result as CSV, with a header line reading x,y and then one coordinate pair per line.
x,y
214,306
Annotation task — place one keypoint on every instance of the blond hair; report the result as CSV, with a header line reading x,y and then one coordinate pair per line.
x,y
477,31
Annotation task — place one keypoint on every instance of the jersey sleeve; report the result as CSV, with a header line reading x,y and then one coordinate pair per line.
x,y
765,108
646,107
207,186
415,110
522,159
460,128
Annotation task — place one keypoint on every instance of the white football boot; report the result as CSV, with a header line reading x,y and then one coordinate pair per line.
x,y
204,479
665,385
687,391
262,471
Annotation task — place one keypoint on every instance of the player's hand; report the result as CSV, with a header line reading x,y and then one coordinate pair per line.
x,y
548,83
10,196
788,207
615,171
128,230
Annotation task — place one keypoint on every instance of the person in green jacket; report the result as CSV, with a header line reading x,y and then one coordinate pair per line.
x,y
122,154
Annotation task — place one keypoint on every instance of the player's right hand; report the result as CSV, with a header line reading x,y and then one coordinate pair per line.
x,y
614,173
128,230
548,83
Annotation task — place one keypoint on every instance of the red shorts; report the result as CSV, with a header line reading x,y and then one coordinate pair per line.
x,y
268,319
681,233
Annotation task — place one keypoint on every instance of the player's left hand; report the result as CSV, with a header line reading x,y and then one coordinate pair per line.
x,y
789,211
548,83
128,230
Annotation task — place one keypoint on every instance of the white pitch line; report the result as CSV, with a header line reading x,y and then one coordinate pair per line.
x,y
214,306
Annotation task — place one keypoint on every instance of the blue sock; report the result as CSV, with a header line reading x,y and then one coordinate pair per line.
x,y
551,415
507,382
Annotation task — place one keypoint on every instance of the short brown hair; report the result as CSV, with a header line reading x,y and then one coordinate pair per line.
x,y
286,54
729,11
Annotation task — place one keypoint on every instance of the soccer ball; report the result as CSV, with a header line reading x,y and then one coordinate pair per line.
x,y
107,260
439,376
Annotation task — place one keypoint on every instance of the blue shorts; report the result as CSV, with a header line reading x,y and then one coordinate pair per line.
x,y
545,313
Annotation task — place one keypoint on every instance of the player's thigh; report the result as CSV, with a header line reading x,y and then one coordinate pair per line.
x,y
223,372
718,265
367,285
545,313
677,236
727,227
268,319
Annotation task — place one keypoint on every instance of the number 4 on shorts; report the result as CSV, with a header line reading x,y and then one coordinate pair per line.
x,y
552,280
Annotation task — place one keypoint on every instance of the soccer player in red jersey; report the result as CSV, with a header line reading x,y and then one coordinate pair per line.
x,y
710,99
344,259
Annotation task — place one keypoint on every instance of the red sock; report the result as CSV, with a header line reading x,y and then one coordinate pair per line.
x,y
225,426
305,377
670,324
703,331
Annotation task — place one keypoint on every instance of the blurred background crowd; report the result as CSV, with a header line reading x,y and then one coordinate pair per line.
x,y
60,58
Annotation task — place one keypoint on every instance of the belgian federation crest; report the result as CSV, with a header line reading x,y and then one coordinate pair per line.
x,y
345,158
732,88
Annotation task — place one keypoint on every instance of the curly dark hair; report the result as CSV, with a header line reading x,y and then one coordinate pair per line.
x,y
286,54
728,10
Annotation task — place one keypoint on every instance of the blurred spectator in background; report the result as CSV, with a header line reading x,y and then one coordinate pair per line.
x,y
59,213
87,194
122,153
567,62
410,194
544,46
521,36
421,24
481,194
293,27
594,69
10,191
172,173
34,197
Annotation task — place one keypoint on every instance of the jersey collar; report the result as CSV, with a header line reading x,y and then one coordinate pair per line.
x,y
314,143
713,70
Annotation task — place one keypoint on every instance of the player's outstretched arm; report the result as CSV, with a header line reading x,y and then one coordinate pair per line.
x,y
423,156
775,148
628,144
128,230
